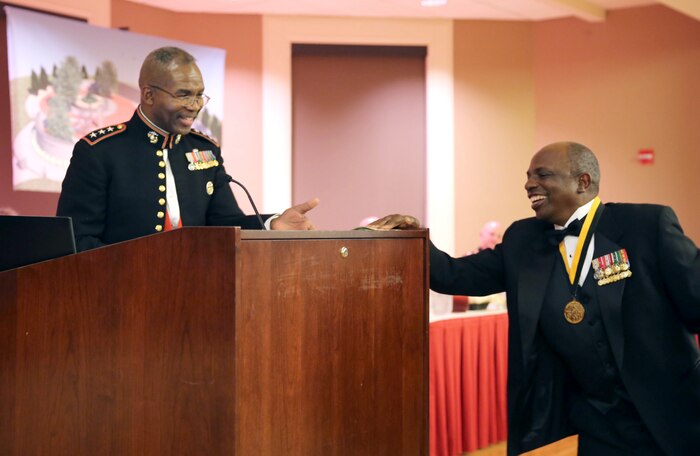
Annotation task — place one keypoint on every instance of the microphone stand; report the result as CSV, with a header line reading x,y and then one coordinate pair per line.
x,y
250,198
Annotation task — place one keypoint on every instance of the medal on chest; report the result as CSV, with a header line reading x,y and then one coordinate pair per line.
x,y
574,311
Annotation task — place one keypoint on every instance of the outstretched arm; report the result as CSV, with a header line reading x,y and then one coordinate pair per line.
x,y
295,217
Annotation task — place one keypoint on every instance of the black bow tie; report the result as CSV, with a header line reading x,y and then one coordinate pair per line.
x,y
556,236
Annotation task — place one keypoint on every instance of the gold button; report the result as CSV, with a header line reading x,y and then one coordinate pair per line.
x,y
161,164
159,227
159,153
161,176
161,188
161,201
160,214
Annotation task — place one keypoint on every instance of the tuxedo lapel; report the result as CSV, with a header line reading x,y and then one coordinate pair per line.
x,y
535,272
609,296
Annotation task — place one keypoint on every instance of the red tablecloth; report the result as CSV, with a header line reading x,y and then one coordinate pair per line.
x,y
468,369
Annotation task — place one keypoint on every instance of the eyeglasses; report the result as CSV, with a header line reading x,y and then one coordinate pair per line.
x,y
185,100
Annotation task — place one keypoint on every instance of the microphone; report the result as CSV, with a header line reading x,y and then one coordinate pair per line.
x,y
250,198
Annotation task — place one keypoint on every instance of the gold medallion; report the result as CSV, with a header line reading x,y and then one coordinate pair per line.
x,y
574,312
210,188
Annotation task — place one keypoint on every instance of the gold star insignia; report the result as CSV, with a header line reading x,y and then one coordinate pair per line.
x,y
110,128
92,135
102,132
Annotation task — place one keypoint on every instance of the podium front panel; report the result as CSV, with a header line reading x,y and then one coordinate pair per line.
x,y
122,350
331,342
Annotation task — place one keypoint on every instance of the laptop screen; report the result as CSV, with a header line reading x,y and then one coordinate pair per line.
x,y
29,239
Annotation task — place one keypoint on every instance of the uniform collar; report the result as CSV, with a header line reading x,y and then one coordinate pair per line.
x,y
149,123
154,134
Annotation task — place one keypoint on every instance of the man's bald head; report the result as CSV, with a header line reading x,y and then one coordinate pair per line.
x,y
157,66
583,160
490,235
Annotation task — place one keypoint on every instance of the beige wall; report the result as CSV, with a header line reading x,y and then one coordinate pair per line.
x,y
630,83
241,37
494,124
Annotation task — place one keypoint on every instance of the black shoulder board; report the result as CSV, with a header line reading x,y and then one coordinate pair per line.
x,y
98,135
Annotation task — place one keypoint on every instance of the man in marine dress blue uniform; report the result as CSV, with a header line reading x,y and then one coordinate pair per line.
x,y
602,317
154,172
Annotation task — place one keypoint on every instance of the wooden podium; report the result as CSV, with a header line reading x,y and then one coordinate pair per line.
x,y
216,341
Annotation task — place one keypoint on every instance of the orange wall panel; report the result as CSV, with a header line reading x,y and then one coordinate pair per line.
x,y
629,83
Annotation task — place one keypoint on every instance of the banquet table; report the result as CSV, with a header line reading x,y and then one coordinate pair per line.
x,y
468,370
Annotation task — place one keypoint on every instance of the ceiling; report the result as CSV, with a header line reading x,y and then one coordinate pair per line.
x,y
590,10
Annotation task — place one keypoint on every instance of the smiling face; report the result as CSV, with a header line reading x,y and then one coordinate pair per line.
x,y
160,97
554,192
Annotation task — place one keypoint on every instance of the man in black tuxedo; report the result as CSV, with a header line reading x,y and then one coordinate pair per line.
x,y
154,172
602,321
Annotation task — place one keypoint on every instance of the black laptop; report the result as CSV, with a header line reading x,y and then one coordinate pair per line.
x,y
29,239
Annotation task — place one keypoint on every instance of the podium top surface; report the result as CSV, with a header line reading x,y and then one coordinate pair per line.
x,y
349,234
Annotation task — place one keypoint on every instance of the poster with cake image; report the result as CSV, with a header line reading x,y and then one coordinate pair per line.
x,y
68,78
